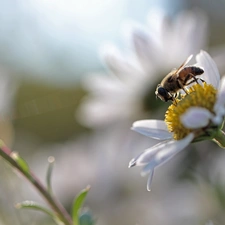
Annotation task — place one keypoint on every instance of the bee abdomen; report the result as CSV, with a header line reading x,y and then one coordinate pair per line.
x,y
198,70
195,70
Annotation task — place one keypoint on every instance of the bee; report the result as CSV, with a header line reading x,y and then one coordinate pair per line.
x,y
176,80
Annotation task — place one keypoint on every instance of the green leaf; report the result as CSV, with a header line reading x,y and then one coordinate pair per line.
x,y
21,162
86,218
78,203
35,206
51,161
219,138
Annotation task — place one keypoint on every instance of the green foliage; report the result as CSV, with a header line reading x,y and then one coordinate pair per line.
x,y
77,204
47,111
21,162
58,213
86,218
51,161
35,206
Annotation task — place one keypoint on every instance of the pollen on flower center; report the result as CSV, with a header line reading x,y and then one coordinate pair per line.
x,y
198,95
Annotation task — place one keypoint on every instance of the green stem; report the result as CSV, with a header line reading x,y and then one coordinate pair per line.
x,y
219,138
56,206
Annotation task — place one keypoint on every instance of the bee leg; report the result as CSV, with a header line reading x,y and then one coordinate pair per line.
x,y
194,77
201,80
196,80
174,99
174,102
182,86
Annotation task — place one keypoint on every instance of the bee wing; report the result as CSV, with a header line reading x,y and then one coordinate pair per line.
x,y
184,64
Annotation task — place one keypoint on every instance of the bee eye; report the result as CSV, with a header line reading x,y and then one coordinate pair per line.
x,y
162,91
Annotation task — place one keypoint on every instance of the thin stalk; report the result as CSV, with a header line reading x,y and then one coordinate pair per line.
x,y
55,205
219,138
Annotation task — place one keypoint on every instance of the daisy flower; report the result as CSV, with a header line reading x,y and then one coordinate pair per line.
x,y
123,94
198,115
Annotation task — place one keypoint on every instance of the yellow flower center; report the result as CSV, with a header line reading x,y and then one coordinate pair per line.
x,y
198,95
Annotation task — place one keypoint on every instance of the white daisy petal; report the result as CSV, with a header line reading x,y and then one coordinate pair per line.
x,y
132,163
97,113
156,129
121,66
156,18
150,180
211,74
218,119
194,22
145,157
146,48
219,107
164,151
102,84
196,117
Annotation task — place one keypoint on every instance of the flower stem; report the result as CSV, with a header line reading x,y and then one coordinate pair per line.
x,y
219,138
56,206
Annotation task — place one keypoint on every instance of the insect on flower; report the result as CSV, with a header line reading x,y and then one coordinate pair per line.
x,y
198,115
176,80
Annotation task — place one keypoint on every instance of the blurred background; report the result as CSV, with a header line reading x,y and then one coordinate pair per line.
x,y
74,76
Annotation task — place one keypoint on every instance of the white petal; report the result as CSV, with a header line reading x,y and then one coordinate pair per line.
x,y
196,117
163,152
145,157
103,84
156,18
118,63
146,48
156,129
150,177
219,107
211,74
97,112
218,119
192,22
132,163
221,91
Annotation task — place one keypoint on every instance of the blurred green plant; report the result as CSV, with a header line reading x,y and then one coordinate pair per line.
x,y
78,219
57,212
38,106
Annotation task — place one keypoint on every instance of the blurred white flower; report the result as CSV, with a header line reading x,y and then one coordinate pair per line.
x,y
198,115
162,45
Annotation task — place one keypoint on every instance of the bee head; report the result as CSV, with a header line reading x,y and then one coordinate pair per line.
x,y
163,94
